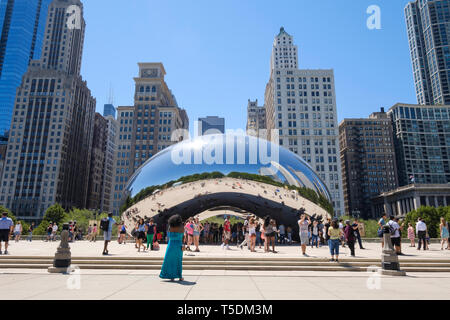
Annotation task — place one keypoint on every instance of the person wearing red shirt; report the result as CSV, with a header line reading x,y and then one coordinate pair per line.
x,y
226,233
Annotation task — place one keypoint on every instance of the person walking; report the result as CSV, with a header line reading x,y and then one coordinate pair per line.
x,y
258,239
30,232
358,234
17,231
315,234
198,227
395,234
6,228
443,227
411,235
381,223
226,233
107,233
421,230
303,225
189,229
246,233
252,234
123,233
172,267
150,229
350,237
326,227
334,235
49,232
269,230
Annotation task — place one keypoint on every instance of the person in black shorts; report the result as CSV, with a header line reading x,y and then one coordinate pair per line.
x,y
6,227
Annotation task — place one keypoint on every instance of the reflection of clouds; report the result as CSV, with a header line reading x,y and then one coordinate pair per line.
x,y
173,196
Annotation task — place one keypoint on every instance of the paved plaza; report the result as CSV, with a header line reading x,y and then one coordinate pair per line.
x,y
88,284
94,249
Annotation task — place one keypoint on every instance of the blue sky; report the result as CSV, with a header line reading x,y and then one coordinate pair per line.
x,y
217,52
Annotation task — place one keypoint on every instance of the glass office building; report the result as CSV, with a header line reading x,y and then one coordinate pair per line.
x,y
22,24
428,25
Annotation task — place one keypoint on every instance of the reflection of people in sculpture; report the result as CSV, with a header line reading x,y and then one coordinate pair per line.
x,y
172,267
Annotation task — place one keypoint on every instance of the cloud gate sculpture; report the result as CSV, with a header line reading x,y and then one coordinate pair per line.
x,y
231,171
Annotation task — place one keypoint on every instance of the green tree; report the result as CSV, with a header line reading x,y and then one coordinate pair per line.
x,y
54,213
430,216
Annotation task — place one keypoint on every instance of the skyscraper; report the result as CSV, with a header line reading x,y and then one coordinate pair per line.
x,y
145,128
428,25
301,104
211,125
368,161
256,119
22,24
49,149
109,110
422,143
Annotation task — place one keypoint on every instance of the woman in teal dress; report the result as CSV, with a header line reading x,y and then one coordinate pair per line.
x,y
172,267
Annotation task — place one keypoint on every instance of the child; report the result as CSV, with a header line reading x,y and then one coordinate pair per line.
x,y
411,235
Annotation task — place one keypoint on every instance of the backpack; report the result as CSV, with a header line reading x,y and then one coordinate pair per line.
x,y
391,229
104,224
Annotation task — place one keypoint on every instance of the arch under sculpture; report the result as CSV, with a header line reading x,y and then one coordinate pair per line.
x,y
236,171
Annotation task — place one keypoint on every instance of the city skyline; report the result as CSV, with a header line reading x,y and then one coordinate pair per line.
x,y
372,68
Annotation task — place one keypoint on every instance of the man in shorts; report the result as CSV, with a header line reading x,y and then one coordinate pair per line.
x,y
226,233
107,235
6,227
303,225
395,235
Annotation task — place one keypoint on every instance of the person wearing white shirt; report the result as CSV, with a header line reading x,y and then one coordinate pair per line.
x,y
54,230
421,229
395,234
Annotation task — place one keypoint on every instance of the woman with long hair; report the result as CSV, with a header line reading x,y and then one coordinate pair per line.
x,y
172,267
411,235
140,234
443,227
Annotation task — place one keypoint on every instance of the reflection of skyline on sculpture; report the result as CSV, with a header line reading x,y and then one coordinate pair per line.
x,y
289,169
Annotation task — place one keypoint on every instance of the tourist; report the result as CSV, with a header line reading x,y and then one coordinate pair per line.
x,y
341,226
258,233
122,234
70,231
54,231
350,237
141,237
321,237
49,231
89,233
334,236
172,267
326,227
381,224
226,234
17,231
303,225
30,232
269,234
6,227
150,229
421,230
289,234
246,233
107,234
206,233
315,234
252,234
411,235
395,234
263,235
189,229
198,227
443,227
282,234
94,233
358,234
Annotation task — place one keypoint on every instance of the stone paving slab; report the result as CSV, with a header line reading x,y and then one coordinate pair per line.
x,y
251,286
